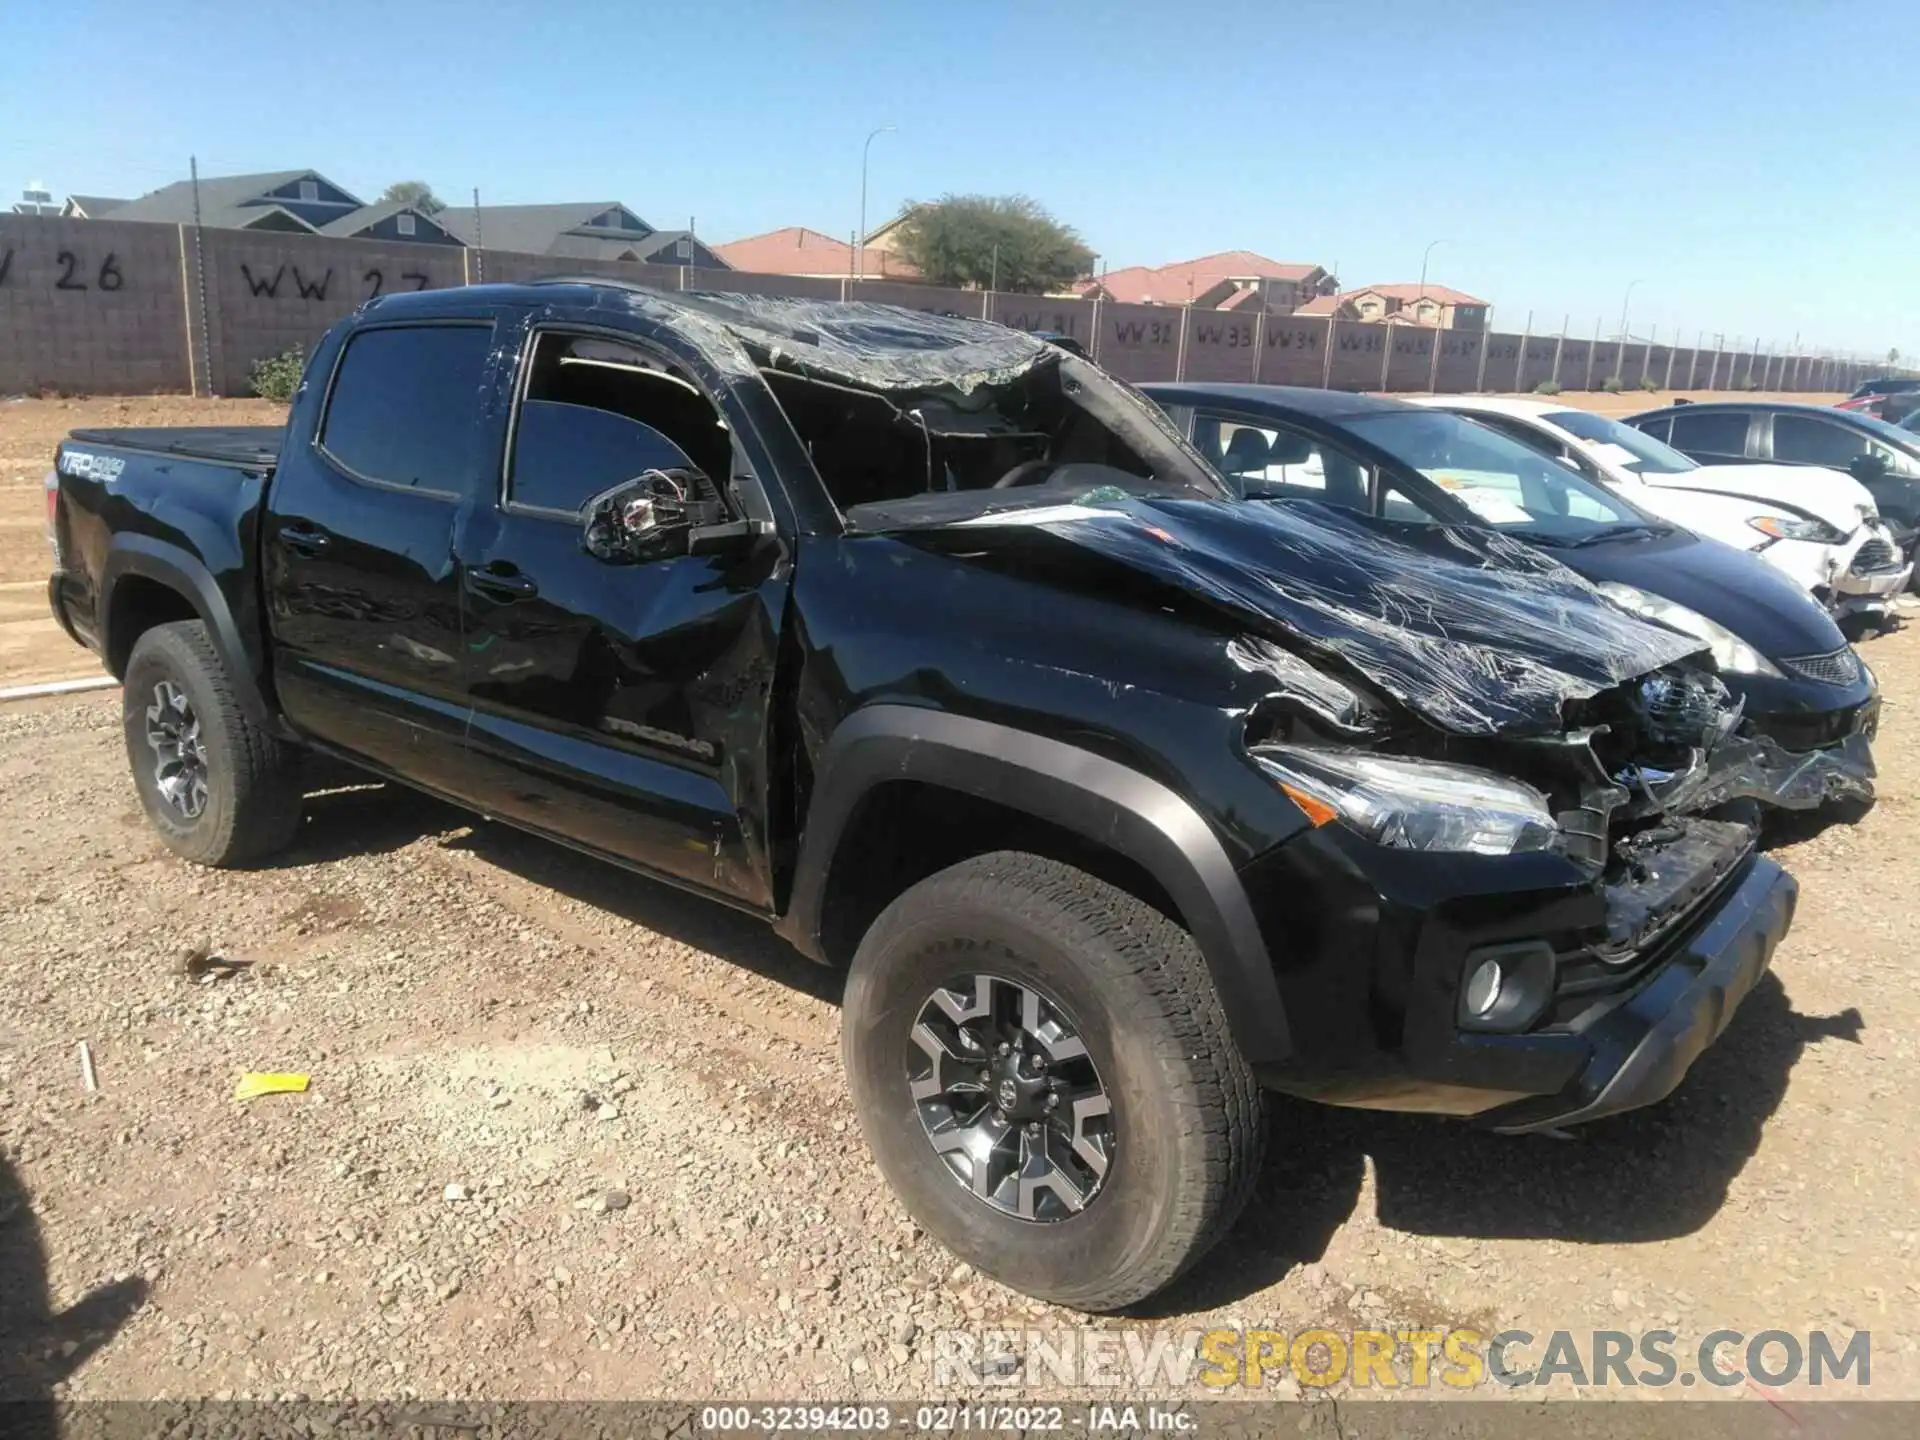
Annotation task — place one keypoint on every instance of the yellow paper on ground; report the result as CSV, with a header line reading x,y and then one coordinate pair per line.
x,y
253,1084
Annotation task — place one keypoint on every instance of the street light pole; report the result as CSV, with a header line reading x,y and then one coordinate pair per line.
x,y
860,240
1424,254
1626,300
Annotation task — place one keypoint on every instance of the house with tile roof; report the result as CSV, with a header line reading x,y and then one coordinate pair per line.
x,y
299,201
306,202
1416,304
585,230
88,207
392,220
1231,279
796,250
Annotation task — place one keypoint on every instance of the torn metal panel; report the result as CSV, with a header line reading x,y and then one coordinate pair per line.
x,y
1320,694
1479,634
1757,767
881,347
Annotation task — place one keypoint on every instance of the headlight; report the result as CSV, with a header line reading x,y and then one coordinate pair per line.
x,y
1730,652
1783,527
1413,804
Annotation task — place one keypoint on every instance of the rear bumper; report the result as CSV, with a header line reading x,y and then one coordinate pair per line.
x,y
1642,1045
56,602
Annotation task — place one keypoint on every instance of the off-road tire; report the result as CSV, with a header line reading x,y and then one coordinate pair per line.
x,y
252,805
1188,1118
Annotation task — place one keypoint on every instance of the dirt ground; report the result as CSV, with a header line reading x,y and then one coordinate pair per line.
x,y
570,1134
33,648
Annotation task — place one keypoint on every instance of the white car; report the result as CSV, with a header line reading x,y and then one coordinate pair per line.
x,y
1819,526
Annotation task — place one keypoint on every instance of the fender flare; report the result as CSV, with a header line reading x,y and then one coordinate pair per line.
x,y
1099,799
183,572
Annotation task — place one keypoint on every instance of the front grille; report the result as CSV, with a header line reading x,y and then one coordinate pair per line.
x,y
1836,667
1814,730
1875,554
1663,883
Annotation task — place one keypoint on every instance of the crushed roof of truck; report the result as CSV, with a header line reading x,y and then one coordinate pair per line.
x,y
849,342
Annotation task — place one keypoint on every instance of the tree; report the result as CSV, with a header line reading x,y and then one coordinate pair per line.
x,y
1006,241
1893,356
416,193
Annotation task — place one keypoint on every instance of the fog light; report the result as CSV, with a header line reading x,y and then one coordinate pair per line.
x,y
1483,988
1507,987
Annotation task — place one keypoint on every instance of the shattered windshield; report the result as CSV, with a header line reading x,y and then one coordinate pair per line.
x,y
1621,445
1501,482
1059,433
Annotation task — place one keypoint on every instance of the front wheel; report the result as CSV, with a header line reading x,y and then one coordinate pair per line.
x,y
1043,1070
220,789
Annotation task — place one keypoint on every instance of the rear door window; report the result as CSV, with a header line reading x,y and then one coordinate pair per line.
x,y
1711,432
1808,440
405,406
1276,463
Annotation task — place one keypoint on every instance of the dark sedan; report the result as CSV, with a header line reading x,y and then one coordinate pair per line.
x,y
1801,683
1882,457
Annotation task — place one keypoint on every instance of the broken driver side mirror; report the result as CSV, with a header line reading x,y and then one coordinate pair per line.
x,y
645,518
654,517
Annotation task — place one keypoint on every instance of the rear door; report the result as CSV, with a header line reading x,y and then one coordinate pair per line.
x,y
624,707
362,593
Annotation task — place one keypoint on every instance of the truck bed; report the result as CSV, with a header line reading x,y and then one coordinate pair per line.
x,y
249,446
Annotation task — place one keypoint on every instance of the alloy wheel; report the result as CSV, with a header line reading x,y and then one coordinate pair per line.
x,y
179,754
1010,1099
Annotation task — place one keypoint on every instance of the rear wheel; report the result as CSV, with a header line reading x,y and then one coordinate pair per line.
x,y
1044,1073
220,789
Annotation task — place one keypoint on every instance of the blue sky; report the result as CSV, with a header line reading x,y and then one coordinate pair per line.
x,y
1752,166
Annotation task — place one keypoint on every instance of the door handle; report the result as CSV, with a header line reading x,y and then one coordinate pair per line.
x,y
500,582
304,539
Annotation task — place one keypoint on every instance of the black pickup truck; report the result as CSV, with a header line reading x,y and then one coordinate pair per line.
x,y
942,650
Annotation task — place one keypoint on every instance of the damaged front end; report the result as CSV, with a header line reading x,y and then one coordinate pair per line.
x,y
1525,803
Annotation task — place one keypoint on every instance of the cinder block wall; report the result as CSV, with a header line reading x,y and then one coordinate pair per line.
x,y
267,294
113,307
90,306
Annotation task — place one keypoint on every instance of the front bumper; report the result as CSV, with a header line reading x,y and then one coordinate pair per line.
x,y
1872,571
1371,968
1642,1045
1872,591
1808,734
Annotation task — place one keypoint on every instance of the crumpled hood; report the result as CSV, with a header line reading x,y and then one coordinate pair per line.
x,y
1478,633
1830,495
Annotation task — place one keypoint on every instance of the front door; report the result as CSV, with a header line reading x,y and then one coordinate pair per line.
x,y
357,550
622,707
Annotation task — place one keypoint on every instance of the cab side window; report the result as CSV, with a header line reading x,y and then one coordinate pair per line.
x,y
596,413
405,403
